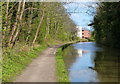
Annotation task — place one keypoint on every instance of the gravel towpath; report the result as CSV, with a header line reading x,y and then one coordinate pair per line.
x,y
41,69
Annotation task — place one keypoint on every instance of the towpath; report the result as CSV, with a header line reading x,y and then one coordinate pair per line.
x,y
41,69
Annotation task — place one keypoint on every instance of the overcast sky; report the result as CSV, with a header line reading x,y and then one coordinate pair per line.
x,y
81,13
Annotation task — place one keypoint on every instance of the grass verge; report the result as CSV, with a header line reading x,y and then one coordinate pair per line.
x,y
15,61
61,72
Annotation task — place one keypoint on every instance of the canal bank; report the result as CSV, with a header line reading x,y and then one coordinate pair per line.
x,y
61,71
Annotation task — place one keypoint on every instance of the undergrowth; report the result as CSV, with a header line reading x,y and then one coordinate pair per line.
x,y
14,61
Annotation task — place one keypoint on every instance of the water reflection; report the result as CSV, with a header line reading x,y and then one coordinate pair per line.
x,y
79,52
86,62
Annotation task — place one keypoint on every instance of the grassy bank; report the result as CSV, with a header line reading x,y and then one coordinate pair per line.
x,y
15,60
61,72
87,40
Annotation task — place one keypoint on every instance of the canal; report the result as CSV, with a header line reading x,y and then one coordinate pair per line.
x,y
89,62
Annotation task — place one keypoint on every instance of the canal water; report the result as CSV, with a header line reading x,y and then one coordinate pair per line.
x,y
89,62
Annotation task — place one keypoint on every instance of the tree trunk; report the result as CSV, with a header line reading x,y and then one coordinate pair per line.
x,y
19,24
47,28
27,39
15,24
38,29
56,29
6,24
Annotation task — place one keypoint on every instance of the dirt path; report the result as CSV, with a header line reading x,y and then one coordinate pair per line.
x,y
41,69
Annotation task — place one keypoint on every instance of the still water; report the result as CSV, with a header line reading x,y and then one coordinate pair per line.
x,y
89,62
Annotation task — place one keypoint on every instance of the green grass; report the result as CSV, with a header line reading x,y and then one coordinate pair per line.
x,y
14,61
61,72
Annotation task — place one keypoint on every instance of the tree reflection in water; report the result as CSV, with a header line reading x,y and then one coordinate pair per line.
x,y
88,62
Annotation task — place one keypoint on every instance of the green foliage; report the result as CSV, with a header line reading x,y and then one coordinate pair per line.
x,y
56,23
91,39
62,74
22,25
83,40
107,24
14,62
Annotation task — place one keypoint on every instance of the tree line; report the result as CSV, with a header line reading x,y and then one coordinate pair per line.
x,y
107,24
35,22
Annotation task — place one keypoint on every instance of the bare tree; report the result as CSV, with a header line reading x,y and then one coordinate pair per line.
x,y
39,25
15,24
19,24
